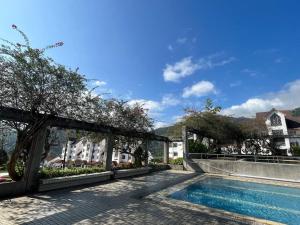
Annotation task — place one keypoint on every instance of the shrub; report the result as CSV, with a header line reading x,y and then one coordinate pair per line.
x,y
197,147
156,160
178,161
127,165
57,172
158,167
296,150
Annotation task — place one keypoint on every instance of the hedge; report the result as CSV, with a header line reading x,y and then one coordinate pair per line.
x,y
57,172
178,161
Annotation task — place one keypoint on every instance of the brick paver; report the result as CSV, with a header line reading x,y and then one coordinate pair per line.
x,y
118,202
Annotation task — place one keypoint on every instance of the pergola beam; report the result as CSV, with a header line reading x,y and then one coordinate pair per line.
x,y
55,121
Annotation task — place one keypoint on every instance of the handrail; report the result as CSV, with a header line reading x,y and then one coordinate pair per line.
x,y
272,158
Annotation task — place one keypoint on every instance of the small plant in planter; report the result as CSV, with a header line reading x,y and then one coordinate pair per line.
x,y
57,172
178,161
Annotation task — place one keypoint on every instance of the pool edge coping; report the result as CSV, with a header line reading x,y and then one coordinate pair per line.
x,y
162,196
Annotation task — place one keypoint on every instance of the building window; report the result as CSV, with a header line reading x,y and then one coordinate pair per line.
x,y
277,132
174,145
175,153
275,120
123,156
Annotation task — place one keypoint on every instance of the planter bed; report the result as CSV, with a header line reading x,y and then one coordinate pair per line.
x,y
159,167
176,167
131,172
72,181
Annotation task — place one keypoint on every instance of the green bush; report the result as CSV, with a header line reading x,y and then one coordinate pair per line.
x,y
158,167
197,147
125,165
57,172
157,160
178,161
296,150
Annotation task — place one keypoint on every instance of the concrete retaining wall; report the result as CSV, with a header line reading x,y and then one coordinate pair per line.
x,y
131,172
17,188
9,189
176,167
243,168
72,181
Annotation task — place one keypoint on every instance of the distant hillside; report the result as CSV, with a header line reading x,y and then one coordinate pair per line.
x,y
170,131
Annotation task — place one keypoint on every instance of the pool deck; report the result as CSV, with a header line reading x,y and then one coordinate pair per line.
x,y
124,201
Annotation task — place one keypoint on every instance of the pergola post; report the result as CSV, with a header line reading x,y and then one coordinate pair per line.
x,y
108,152
185,146
166,152
34,160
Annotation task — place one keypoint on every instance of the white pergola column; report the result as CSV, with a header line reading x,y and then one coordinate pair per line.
x,y
108,152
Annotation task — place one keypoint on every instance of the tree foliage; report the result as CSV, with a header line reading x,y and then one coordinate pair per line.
x,y
32,81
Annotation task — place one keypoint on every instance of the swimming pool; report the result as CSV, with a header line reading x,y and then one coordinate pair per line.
x,y
265,201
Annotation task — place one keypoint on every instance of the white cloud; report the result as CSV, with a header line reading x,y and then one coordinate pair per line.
x,y
160,124
100,83
177,118
156,106
199,89
287,98
187,66
170,100
180,69
151,106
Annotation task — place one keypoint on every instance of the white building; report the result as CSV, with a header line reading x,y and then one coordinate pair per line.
x,y
176,149
85,152
284,126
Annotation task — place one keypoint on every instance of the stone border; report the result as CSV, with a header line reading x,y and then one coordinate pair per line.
x,y
72,181
163,196
76,180
176,167
131,172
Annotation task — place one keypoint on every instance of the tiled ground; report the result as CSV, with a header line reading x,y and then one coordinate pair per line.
x,y
118,202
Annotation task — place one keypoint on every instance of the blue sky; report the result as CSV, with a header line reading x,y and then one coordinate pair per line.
x,y
173,54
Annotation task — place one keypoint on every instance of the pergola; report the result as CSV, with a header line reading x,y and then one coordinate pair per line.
x,y
30,179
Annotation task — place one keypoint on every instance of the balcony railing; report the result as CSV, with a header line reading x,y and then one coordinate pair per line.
x,y
252,158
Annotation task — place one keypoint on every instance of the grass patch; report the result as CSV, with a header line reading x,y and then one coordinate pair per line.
x,y
57,172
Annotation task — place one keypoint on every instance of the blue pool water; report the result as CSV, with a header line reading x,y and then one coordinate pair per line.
x,y
270,202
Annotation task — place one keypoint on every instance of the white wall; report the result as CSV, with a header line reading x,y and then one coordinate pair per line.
x,y
176,150
282,127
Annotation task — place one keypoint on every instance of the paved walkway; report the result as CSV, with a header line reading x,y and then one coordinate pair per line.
x,y
118,202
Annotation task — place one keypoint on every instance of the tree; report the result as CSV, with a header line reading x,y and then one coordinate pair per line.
x,y
33,82
130,117
3,157
4,134
220,130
